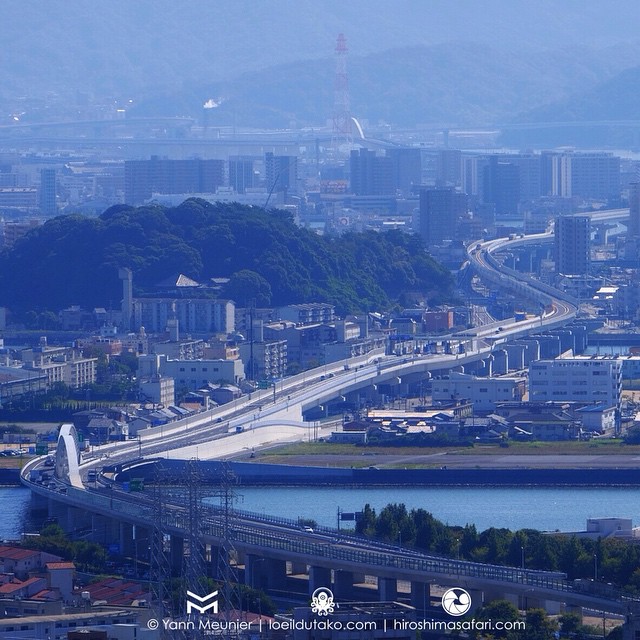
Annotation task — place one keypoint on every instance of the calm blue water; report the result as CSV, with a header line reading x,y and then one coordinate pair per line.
x,y
547,509
14,507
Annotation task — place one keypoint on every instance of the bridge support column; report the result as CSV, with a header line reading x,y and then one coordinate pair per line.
x,y
319,577
75,519
552,607
573,608
387,589
264,573
253,571
143,543
101,530
212,560
38,502
343,585
176,554
126,539
276,573
420,595
477,599
58,511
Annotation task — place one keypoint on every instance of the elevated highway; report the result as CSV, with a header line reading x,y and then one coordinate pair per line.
x,y
286,549
275,415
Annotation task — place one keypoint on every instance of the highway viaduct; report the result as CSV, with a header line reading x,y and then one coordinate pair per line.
x,y
271,554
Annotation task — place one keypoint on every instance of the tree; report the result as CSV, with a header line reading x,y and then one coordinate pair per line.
x,y
245,286
501,610
569,623
539,626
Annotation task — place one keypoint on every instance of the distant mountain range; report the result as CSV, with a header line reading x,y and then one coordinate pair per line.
x,y
455,84
270,64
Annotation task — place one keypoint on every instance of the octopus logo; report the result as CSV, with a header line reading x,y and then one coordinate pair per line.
x,y
322,601
456,602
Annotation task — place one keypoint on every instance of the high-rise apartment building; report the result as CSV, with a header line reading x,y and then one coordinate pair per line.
x,y
592,176
407,168
501,185
241,173
47,193
281,173
573,245
371,175
633,227
440,210
143,178
449,167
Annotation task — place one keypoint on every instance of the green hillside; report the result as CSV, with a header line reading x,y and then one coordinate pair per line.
x,y
75,260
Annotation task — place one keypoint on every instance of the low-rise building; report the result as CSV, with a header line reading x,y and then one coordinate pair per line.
x,y
61,364
483,393
580,378
606,528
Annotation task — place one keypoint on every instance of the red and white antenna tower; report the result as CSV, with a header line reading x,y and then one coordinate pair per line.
x,y
341,104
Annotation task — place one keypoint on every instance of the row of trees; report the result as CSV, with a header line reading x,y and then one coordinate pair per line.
x,y
88,556
269,260
537,624
614,561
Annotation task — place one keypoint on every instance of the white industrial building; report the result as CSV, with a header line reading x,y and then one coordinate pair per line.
x,y
587,378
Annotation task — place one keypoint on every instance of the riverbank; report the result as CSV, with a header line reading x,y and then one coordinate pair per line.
x,y
446,475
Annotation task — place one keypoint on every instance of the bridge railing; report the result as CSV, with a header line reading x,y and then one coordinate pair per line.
x,y
401,559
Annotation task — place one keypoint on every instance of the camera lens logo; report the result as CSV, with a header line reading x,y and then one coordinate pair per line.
x,y
456,602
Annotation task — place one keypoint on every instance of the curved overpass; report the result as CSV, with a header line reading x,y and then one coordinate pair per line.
x,y
229,428
278,540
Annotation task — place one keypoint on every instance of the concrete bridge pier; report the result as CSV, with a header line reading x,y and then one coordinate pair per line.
x,y
479,598
420,595
212,560
176,554
495,593
38,502
104,529
253,571
573,608
58,511
77,519
264,573
387,589
343,584
319,577
126,539
276,573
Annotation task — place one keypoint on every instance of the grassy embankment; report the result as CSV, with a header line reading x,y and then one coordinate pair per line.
x,y
359,456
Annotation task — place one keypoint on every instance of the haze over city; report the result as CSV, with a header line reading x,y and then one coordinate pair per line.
x,y
319,317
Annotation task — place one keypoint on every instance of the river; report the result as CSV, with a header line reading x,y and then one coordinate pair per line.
x,y
544,508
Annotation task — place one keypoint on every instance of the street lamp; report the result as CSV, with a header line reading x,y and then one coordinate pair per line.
x,y
522,555
595,566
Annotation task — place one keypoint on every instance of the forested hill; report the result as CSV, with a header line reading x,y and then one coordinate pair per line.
x,y
75,260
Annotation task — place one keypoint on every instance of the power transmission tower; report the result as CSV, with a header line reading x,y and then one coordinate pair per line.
x,y
194,577
160,567
227,558
342,124
177,504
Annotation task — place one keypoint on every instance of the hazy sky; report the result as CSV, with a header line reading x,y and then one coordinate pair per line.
x,y
233,35
172,51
